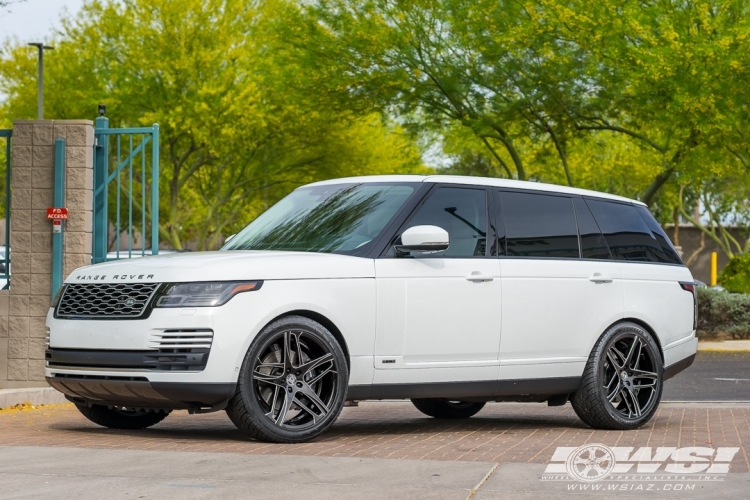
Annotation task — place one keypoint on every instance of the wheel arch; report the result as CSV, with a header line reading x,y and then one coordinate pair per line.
x,y
327,323
646,327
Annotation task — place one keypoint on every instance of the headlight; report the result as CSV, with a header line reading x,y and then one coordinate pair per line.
x,y
203,294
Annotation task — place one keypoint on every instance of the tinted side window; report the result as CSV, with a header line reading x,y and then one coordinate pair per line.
x,y
463,213
669,252
538,225
593,244
627,235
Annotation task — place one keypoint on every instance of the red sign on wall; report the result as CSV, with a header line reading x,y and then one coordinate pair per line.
x,y
57,213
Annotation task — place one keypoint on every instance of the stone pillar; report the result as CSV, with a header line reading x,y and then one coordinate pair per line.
x,y
32,183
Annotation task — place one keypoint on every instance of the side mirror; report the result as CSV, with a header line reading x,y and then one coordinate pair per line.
x,y
423,239
229,238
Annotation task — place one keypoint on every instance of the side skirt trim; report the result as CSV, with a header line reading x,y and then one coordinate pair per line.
x,y
525,389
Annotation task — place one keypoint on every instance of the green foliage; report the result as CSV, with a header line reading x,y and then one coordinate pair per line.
x,y
4,4
735,277
237,131
639,99
722,314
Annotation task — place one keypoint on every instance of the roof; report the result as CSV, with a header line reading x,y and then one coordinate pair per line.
x,y
482,181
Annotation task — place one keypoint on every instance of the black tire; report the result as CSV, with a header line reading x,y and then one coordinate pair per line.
x,y
122,419
607,399
271,368
441,408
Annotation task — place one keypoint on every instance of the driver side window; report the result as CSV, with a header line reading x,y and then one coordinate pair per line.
x,y
463,213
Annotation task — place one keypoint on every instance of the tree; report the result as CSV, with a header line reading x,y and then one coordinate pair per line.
x,y
4,4
551,71
656,67
232,127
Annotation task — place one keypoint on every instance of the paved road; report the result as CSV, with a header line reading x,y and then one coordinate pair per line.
x,y
376,450
715,376
56,472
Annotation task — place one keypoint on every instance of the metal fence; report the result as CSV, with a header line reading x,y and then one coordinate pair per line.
x,y
126,191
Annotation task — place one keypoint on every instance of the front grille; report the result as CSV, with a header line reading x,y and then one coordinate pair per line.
x,y
105,300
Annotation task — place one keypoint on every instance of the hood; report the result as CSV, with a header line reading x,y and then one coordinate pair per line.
x,y
225,266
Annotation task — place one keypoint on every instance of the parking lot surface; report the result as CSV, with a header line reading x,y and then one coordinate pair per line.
x,y
375,450
501,432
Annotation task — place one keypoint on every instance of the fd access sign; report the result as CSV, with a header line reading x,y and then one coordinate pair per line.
x,y
57,213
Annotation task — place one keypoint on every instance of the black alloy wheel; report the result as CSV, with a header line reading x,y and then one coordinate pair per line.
x,y
622,382
293,382
631,377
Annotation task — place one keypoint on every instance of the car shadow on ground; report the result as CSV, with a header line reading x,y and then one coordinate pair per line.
x,y
346,429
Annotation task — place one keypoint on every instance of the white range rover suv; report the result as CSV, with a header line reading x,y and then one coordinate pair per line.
x,y
449,291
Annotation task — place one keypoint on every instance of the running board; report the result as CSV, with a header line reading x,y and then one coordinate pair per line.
x,y
525,389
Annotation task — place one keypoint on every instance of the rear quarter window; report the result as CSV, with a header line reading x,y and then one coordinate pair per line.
x,y
628,236
665,243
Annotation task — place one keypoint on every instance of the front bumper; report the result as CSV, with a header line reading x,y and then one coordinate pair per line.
x,y
186,359
138,392
190,346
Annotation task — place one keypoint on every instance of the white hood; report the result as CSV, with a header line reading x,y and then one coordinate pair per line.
x,y
225,266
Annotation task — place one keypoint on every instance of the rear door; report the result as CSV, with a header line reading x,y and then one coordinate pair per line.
x,y
561,287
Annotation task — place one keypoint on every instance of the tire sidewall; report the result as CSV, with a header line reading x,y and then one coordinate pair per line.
x,y
245,382
612,335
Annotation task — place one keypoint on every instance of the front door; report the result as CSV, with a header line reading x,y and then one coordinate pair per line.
x,y
439,314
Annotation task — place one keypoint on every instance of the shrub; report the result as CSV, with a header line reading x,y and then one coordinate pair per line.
x,y
723,314
735,277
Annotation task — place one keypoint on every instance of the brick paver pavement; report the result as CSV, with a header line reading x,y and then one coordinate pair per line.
x,y
501,432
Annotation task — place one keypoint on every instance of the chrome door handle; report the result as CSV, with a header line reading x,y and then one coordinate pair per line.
x,y
479,277
600,278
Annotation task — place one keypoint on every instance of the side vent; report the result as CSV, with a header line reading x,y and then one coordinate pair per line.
x,y
192,338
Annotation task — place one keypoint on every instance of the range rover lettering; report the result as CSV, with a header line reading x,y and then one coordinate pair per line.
x,y
449,291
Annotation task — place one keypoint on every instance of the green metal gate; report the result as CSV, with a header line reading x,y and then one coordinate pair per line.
x,y
5,205
126,191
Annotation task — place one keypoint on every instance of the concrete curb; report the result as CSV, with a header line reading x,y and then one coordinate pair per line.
x,y
33,395
724,346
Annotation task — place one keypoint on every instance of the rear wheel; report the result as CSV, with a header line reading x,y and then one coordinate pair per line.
x,y
441,408
292,384
122,418
622,382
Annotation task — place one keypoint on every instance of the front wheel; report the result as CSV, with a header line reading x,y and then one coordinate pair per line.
x,y
122,418
622,382
292,384
441,408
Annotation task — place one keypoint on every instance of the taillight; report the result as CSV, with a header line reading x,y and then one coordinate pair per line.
x,y
690,287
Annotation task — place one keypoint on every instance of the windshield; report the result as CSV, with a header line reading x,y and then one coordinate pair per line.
x,y
340,218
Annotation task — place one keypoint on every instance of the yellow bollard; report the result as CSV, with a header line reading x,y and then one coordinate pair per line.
x,y
714,267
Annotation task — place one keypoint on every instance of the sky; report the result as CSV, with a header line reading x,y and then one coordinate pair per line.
x,y
34,20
